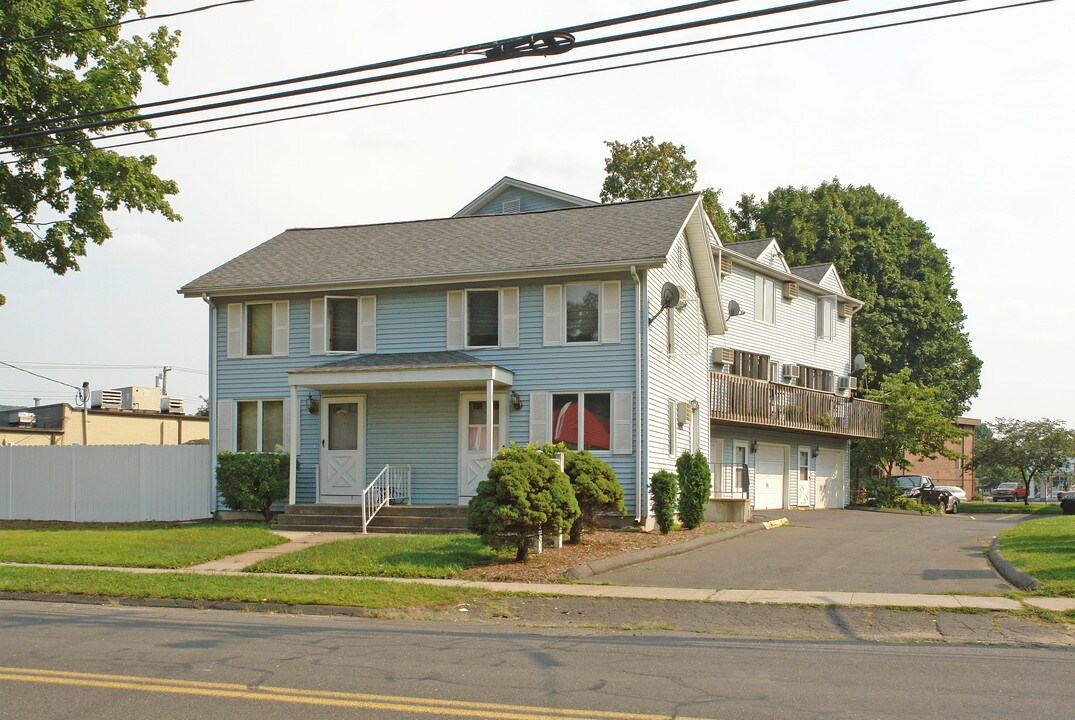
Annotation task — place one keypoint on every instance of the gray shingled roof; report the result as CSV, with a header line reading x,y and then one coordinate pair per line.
x,y
403,361
637,232
813,273
750,248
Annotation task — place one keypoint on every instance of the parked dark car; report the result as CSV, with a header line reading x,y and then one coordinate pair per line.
x,y
1008,492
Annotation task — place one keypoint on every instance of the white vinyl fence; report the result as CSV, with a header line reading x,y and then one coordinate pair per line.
x,y
105,483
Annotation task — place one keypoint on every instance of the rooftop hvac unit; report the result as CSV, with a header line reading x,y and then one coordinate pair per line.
x,y
723,356
22,419
141,398
791,290
106,399
791,370
171,405
725,265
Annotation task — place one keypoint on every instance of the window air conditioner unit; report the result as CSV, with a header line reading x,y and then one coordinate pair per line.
x,y
172,405
106,399
791,290
723,356
849,382
791,370
684,411
725,265
846,310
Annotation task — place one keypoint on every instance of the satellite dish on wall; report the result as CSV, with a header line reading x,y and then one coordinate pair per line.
x,y
859,363
734,310
669,295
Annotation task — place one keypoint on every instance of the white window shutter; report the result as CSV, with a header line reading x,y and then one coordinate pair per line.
x,y
235,330
280,322
539,418
367,324
509,317
225,437
317,326
622,412
286,437
456,325
553,323
671,427
759,297
610,311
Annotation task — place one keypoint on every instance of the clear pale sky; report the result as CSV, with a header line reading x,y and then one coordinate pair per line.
x,y
966,122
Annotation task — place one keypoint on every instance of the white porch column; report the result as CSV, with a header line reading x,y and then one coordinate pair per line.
x,y
489,417
296,411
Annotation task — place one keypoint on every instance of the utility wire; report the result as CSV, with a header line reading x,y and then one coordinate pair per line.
x,y
117,23
584,72
99,366
806,4
437,55
43,377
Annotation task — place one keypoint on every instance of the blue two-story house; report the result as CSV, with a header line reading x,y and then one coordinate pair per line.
x,y
413,350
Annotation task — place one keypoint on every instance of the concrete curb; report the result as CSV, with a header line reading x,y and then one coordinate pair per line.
x,y
894,511
1009,572
581,572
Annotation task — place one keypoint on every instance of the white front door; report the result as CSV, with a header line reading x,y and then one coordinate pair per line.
x,y
830,479
343,449
803,487
474,458
769,474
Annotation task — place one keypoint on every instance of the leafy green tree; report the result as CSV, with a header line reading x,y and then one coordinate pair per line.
x,y
597,490
51,208
695,487
915,425
253,481
645,169
1030,447
525,492
663,488
913,317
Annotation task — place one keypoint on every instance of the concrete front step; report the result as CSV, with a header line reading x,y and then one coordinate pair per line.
x,y
412,519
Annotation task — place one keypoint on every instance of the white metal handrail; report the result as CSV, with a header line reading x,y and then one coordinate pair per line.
x,y
393,483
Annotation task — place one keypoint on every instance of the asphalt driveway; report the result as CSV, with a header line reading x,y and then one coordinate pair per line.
x,y
840,550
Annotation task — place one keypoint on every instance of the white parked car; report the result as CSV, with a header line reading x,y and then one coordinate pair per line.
x,y
957,492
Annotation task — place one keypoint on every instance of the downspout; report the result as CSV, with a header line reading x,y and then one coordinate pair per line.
x,y
211,403
638,394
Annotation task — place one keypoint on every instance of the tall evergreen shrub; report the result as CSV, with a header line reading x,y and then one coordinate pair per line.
x,y
663,487
695,487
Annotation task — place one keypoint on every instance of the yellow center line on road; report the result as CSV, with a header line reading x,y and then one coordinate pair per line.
x,y
429,706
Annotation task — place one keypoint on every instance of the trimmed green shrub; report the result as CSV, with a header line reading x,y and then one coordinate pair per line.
x,y
596,489
663,488
252,481
695,487
525,492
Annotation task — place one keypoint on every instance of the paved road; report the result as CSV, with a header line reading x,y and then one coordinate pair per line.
x,y
842,550
134,663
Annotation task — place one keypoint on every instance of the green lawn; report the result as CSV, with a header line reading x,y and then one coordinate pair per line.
x,y
374,594
1006,508
405,556
1045,549
143,545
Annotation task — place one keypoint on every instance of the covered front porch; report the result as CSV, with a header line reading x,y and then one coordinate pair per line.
x,y
366,418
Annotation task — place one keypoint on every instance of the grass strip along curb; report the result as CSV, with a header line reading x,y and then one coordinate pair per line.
x,y
1009,572
581,572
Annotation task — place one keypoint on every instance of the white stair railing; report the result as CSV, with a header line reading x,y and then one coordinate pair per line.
x,y
392,484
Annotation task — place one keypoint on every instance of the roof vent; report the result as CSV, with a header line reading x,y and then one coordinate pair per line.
x,y
791,290
725,265
508,207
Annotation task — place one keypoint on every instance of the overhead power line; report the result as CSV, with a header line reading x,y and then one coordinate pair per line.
x,y
118,23
103,366
283,94
584,72
436,55
43,377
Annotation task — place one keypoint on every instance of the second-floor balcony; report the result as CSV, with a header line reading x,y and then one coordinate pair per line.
x,y
737,400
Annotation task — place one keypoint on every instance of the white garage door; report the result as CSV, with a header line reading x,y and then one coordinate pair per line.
x,y
769,472
830,479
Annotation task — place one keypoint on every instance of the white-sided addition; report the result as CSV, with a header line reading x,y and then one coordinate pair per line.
x,y
474,455
343,449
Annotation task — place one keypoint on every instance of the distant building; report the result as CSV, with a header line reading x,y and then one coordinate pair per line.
x,y
956,472
125,416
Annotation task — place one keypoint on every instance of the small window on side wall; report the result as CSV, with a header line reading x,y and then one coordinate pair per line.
x,y
259,329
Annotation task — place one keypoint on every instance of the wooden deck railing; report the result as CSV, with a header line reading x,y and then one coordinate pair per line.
x,y
758,403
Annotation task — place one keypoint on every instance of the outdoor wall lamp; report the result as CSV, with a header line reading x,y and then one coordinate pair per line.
x,y
753,447
516,401
814,451
311,404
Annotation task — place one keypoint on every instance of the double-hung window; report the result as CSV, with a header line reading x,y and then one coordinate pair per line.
x,y
257,329
764,299
582,312
582,421
483,318
342,324
259,426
